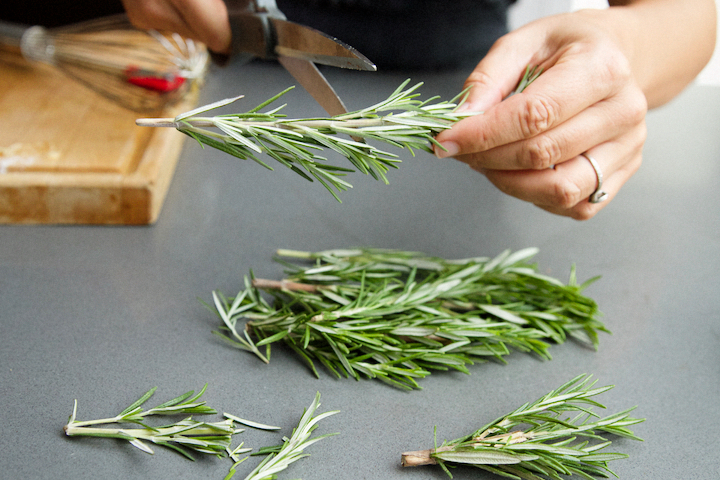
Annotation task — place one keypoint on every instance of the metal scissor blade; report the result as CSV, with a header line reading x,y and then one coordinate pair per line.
x,y
298,41
312,80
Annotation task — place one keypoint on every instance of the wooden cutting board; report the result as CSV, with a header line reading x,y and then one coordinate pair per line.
x,y
69,155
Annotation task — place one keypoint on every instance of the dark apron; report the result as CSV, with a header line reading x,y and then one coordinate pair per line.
x,y
408,34
395,34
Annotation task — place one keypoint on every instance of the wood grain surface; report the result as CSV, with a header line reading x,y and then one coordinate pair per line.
x,y
69,155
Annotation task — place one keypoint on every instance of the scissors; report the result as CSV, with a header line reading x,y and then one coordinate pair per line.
x,y
260,29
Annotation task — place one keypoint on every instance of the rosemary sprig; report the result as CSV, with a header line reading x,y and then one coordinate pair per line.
x,y
402,120
396,316
292,448
203,437
558,434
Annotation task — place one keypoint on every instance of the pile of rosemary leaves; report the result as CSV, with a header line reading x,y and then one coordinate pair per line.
x,y
396,316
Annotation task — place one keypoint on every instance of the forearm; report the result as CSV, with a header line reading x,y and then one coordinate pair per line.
x,y
666,41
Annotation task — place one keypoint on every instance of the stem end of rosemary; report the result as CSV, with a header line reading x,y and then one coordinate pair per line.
x,y
417,458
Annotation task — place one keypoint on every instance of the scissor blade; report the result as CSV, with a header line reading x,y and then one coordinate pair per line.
x,y
312,80
298,41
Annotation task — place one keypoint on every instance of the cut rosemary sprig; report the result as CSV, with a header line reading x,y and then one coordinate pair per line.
x,y
203,437
402,120
558,434
396,315
292,448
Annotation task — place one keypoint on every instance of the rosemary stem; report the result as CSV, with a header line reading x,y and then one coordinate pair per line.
x,y
417,458
283,252
314,124
97,422
158,122
284,285
76,431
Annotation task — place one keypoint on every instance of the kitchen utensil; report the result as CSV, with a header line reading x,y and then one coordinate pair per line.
x,y
143,71
261,30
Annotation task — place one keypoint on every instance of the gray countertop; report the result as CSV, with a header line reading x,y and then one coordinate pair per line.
x,y
101,314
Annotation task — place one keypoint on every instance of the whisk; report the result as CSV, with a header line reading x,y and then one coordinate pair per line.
x,y
140,70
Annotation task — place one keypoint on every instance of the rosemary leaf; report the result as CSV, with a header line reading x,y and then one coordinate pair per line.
x,y
187,434
538,440
396,316
292,448
402,121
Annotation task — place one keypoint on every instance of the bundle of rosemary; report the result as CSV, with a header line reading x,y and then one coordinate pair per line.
x,y
396,315
539,438
402,120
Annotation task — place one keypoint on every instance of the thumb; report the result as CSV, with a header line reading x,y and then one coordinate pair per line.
x,y
495,77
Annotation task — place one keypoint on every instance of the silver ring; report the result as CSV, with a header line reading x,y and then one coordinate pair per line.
x,y
598,195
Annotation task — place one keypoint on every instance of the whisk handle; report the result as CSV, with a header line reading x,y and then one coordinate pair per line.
x,y
35,42
11,33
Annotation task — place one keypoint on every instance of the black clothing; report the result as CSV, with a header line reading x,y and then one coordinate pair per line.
x,y
394,34
408,34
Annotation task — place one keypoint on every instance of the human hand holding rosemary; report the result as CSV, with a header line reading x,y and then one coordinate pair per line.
x,y
558,434
402,120
396,316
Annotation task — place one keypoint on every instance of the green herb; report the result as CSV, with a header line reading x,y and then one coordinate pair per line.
x,y
396,315
188,434
402,120
292,449
557,434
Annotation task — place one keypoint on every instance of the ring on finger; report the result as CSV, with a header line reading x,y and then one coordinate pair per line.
x,y
598,195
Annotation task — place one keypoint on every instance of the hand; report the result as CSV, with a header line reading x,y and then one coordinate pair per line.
x,y
203,20
586,100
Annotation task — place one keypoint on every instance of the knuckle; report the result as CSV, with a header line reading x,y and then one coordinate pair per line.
x,y
480,79
537,115
566,194
637,108
611,66
477,139
541,152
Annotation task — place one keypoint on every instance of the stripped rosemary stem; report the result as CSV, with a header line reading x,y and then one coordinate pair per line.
x,y
539,439
188,434
402,121
395,315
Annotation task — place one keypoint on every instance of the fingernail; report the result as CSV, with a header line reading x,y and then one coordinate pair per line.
x,y
450,149
469,107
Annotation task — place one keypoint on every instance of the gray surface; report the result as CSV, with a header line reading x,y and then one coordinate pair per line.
x,y
102,313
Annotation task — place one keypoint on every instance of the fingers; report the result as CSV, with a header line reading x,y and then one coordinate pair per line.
x,y
597,124
565,189
498,73
203,20
209,22
580,69
560,93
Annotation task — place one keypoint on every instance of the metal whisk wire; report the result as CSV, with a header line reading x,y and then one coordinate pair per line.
x,y
140,70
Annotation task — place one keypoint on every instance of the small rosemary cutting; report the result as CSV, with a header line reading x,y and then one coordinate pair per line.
x,y
558,434
188,434
402,120
396,316
292,448
202,437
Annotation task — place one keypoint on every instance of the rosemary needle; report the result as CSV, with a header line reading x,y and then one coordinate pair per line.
x,y
402,120
558,434
396,316
292,448
187,434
